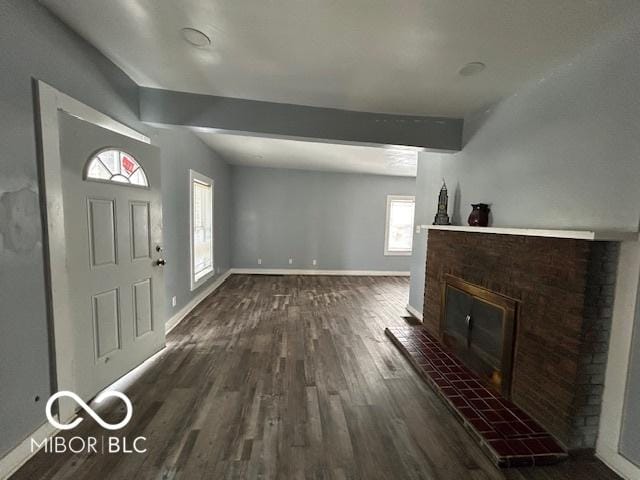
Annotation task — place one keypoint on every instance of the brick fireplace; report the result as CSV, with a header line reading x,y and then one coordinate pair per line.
x,y
563,291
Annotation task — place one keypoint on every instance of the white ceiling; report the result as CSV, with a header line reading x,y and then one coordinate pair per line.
x,y
394,56
304,155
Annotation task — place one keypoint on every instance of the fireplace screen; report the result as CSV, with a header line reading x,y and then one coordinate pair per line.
x,y
479,326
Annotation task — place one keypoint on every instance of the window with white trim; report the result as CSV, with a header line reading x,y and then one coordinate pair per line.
x,y
201,228
399,225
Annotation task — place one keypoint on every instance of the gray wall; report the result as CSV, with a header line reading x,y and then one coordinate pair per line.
x,y
336,218
428,184
181,151
35,44
564,152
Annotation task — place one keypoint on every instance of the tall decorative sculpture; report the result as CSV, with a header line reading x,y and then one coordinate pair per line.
x,y
442,218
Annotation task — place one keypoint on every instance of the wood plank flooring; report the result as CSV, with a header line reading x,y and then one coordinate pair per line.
x,y
290,377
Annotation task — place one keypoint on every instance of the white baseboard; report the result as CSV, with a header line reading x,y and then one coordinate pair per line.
x,y
414,312
17,457
292,271
184,311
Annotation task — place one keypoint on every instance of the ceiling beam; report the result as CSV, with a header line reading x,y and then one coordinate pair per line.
x,y
299,121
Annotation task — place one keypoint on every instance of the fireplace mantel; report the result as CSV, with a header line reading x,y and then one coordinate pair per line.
x,y
591,235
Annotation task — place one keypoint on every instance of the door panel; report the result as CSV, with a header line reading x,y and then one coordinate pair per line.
x,y
141,241
113,232
102,231
143,309
106,320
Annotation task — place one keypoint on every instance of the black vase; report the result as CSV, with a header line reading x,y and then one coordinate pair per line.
x,y
479,216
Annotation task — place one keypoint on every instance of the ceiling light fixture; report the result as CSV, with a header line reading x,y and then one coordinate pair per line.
x,y
471,68
195,37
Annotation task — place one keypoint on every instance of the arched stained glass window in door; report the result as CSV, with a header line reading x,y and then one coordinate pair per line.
x,y
111,165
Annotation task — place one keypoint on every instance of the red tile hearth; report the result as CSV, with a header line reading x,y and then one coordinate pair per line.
x,y
507,434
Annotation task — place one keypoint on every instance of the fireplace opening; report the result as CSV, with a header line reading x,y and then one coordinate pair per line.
x,y
479,326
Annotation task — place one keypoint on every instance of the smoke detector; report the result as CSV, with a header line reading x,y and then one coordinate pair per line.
x,y
471,68
195,37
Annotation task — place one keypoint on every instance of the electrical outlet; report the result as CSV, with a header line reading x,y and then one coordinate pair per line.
x,y
173,301
417,228
259,261
290,261
315,262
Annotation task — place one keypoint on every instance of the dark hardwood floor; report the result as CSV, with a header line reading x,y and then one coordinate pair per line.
x,y
290,377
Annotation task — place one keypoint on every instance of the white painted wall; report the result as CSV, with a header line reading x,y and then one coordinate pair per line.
x,y
563,152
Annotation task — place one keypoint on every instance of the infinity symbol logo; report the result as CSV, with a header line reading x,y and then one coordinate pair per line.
x,y
89,410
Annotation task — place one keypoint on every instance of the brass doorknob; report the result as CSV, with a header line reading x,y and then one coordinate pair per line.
x,y
161,262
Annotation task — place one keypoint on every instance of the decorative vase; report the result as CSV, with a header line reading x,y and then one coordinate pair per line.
x,y
479,216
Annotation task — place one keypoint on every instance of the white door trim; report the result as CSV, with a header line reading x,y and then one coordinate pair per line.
x,y
626,312
49,101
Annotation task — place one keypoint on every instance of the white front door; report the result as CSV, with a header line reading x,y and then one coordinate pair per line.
x,y
113,229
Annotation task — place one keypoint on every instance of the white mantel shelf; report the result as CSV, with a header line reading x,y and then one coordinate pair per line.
x,y
592,235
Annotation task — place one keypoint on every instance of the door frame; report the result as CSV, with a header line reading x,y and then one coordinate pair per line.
x,y
626,319
48,102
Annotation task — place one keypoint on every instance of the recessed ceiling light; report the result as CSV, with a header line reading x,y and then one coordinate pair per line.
x,y
195,37
471,69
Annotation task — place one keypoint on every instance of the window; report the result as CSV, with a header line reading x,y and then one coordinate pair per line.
x,y
399,226
116,166
201,221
